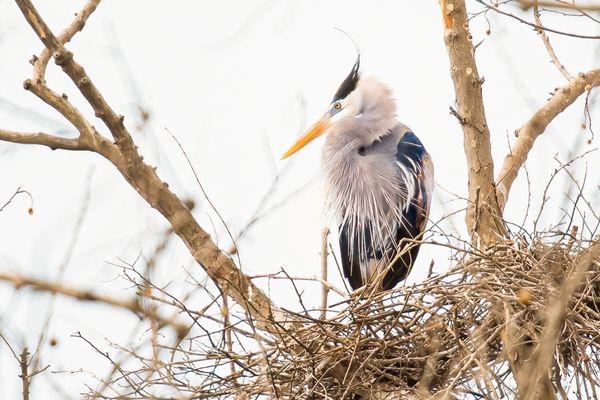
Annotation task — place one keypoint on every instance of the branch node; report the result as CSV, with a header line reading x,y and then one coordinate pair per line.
x,y
62,56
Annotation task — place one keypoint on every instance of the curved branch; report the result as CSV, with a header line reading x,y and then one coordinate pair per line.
x,y
529,132
123,154
19,281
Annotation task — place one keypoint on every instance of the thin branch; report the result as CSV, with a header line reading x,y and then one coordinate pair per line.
x,y
19,281
536,26
529,132
54,142
527,4
324,288
15,194
549,48
25,379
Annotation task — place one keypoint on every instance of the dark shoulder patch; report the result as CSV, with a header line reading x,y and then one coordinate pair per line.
x,y
410,146
349,84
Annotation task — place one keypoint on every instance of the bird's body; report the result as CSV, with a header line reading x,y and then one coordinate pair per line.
x,y
395,187
379,180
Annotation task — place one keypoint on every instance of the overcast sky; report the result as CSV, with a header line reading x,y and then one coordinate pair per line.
x,y
236,82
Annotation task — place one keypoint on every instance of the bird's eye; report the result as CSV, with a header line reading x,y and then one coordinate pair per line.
x,y
337,105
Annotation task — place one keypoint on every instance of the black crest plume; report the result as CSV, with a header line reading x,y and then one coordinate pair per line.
x,y
349,84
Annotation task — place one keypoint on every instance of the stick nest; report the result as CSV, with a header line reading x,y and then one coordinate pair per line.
x,y
463,333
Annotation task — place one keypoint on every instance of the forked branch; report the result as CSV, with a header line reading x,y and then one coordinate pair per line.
x,y
124,155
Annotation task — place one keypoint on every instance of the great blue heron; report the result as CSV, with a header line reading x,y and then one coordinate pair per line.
x,y
379,181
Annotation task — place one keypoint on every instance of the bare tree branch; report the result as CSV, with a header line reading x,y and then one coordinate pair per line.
x,y
529,132
483,212
527,4
19,281
497,9
549,48
24,364
124,155
324,287
15,194
76,26
54,142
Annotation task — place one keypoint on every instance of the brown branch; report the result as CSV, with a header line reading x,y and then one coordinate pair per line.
x,y
324,287
527,4
54,142
497,9
87,134
133,305
65,36
529,132
124,155
483,212
549,48
24,364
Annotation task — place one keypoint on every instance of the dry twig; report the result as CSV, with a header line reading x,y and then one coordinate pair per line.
x,y
132,305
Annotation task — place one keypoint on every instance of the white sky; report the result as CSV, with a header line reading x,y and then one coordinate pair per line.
x,y
235,81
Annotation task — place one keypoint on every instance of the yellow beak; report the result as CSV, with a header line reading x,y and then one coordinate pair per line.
x,y
314,132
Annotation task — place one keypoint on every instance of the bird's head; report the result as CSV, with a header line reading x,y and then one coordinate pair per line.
x,y
357,100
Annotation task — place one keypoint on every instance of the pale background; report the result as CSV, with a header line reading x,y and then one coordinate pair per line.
x,y
236,81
